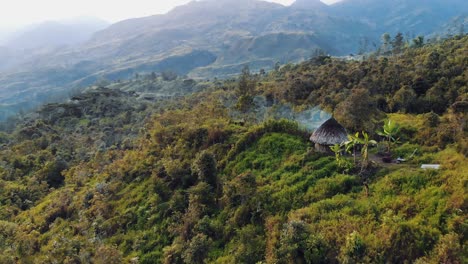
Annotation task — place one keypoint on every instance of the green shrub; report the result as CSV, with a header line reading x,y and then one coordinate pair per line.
x,y
204,167
354,249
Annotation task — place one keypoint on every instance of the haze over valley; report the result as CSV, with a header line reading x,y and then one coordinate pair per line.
x,y
203,39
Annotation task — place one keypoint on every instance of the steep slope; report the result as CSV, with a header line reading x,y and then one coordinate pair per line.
x,y
457,25
113,176
415,17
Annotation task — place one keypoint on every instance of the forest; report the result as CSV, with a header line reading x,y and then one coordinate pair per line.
x,y
174,170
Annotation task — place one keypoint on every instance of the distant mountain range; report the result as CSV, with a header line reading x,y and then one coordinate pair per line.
x,y
420,17
210,38
56,33
45,39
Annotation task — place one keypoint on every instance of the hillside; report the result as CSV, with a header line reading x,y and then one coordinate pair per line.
x,y
160,169
23,47
224,35
52,34
309,4
407,16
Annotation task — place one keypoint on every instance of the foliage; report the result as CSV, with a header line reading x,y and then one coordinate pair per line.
x,y
366,143
246,90
205,168
342,162
351,144
390,132
110,178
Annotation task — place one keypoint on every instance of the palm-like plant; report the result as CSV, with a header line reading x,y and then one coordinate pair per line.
x,y
390,131
342,163
337,149
366,143
353,141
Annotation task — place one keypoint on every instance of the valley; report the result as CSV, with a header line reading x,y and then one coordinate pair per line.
x,y
207,39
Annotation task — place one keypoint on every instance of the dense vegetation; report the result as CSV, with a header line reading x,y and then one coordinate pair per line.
x,y
119,175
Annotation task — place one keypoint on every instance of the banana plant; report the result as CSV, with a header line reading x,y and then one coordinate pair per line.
x,y
337,149
351,144
342,162
390,132
366,143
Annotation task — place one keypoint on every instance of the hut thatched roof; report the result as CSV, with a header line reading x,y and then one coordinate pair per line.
x,y
330,133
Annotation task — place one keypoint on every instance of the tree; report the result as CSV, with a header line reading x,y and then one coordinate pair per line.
x,y
403,99
351,144
277,66
359,104
386,42
249,246
390,131
299,245
169,76
363,45
173,253
297,89
107,254
418,42
200,203
52,173
197,249
433,61
354,249
240,190
245,90
366,142
398,43
436,96
205,168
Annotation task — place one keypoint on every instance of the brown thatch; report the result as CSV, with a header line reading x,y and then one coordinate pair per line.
x,y
329,134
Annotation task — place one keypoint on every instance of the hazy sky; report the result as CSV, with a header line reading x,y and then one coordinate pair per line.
x,y
15,13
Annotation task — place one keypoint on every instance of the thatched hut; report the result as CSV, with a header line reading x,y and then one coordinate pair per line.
x,y
329,134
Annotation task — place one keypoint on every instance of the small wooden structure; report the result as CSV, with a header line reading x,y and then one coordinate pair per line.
x,y
329,134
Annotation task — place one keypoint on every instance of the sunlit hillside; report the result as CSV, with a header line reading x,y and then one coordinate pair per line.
x,y
166,169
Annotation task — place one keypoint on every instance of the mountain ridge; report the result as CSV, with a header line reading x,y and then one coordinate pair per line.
x,y
56,33
310,4
251,32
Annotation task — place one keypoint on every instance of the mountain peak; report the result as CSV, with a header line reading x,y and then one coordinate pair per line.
x,y
309,4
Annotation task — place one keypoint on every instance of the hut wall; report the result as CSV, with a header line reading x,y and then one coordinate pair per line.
x,y
322,148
